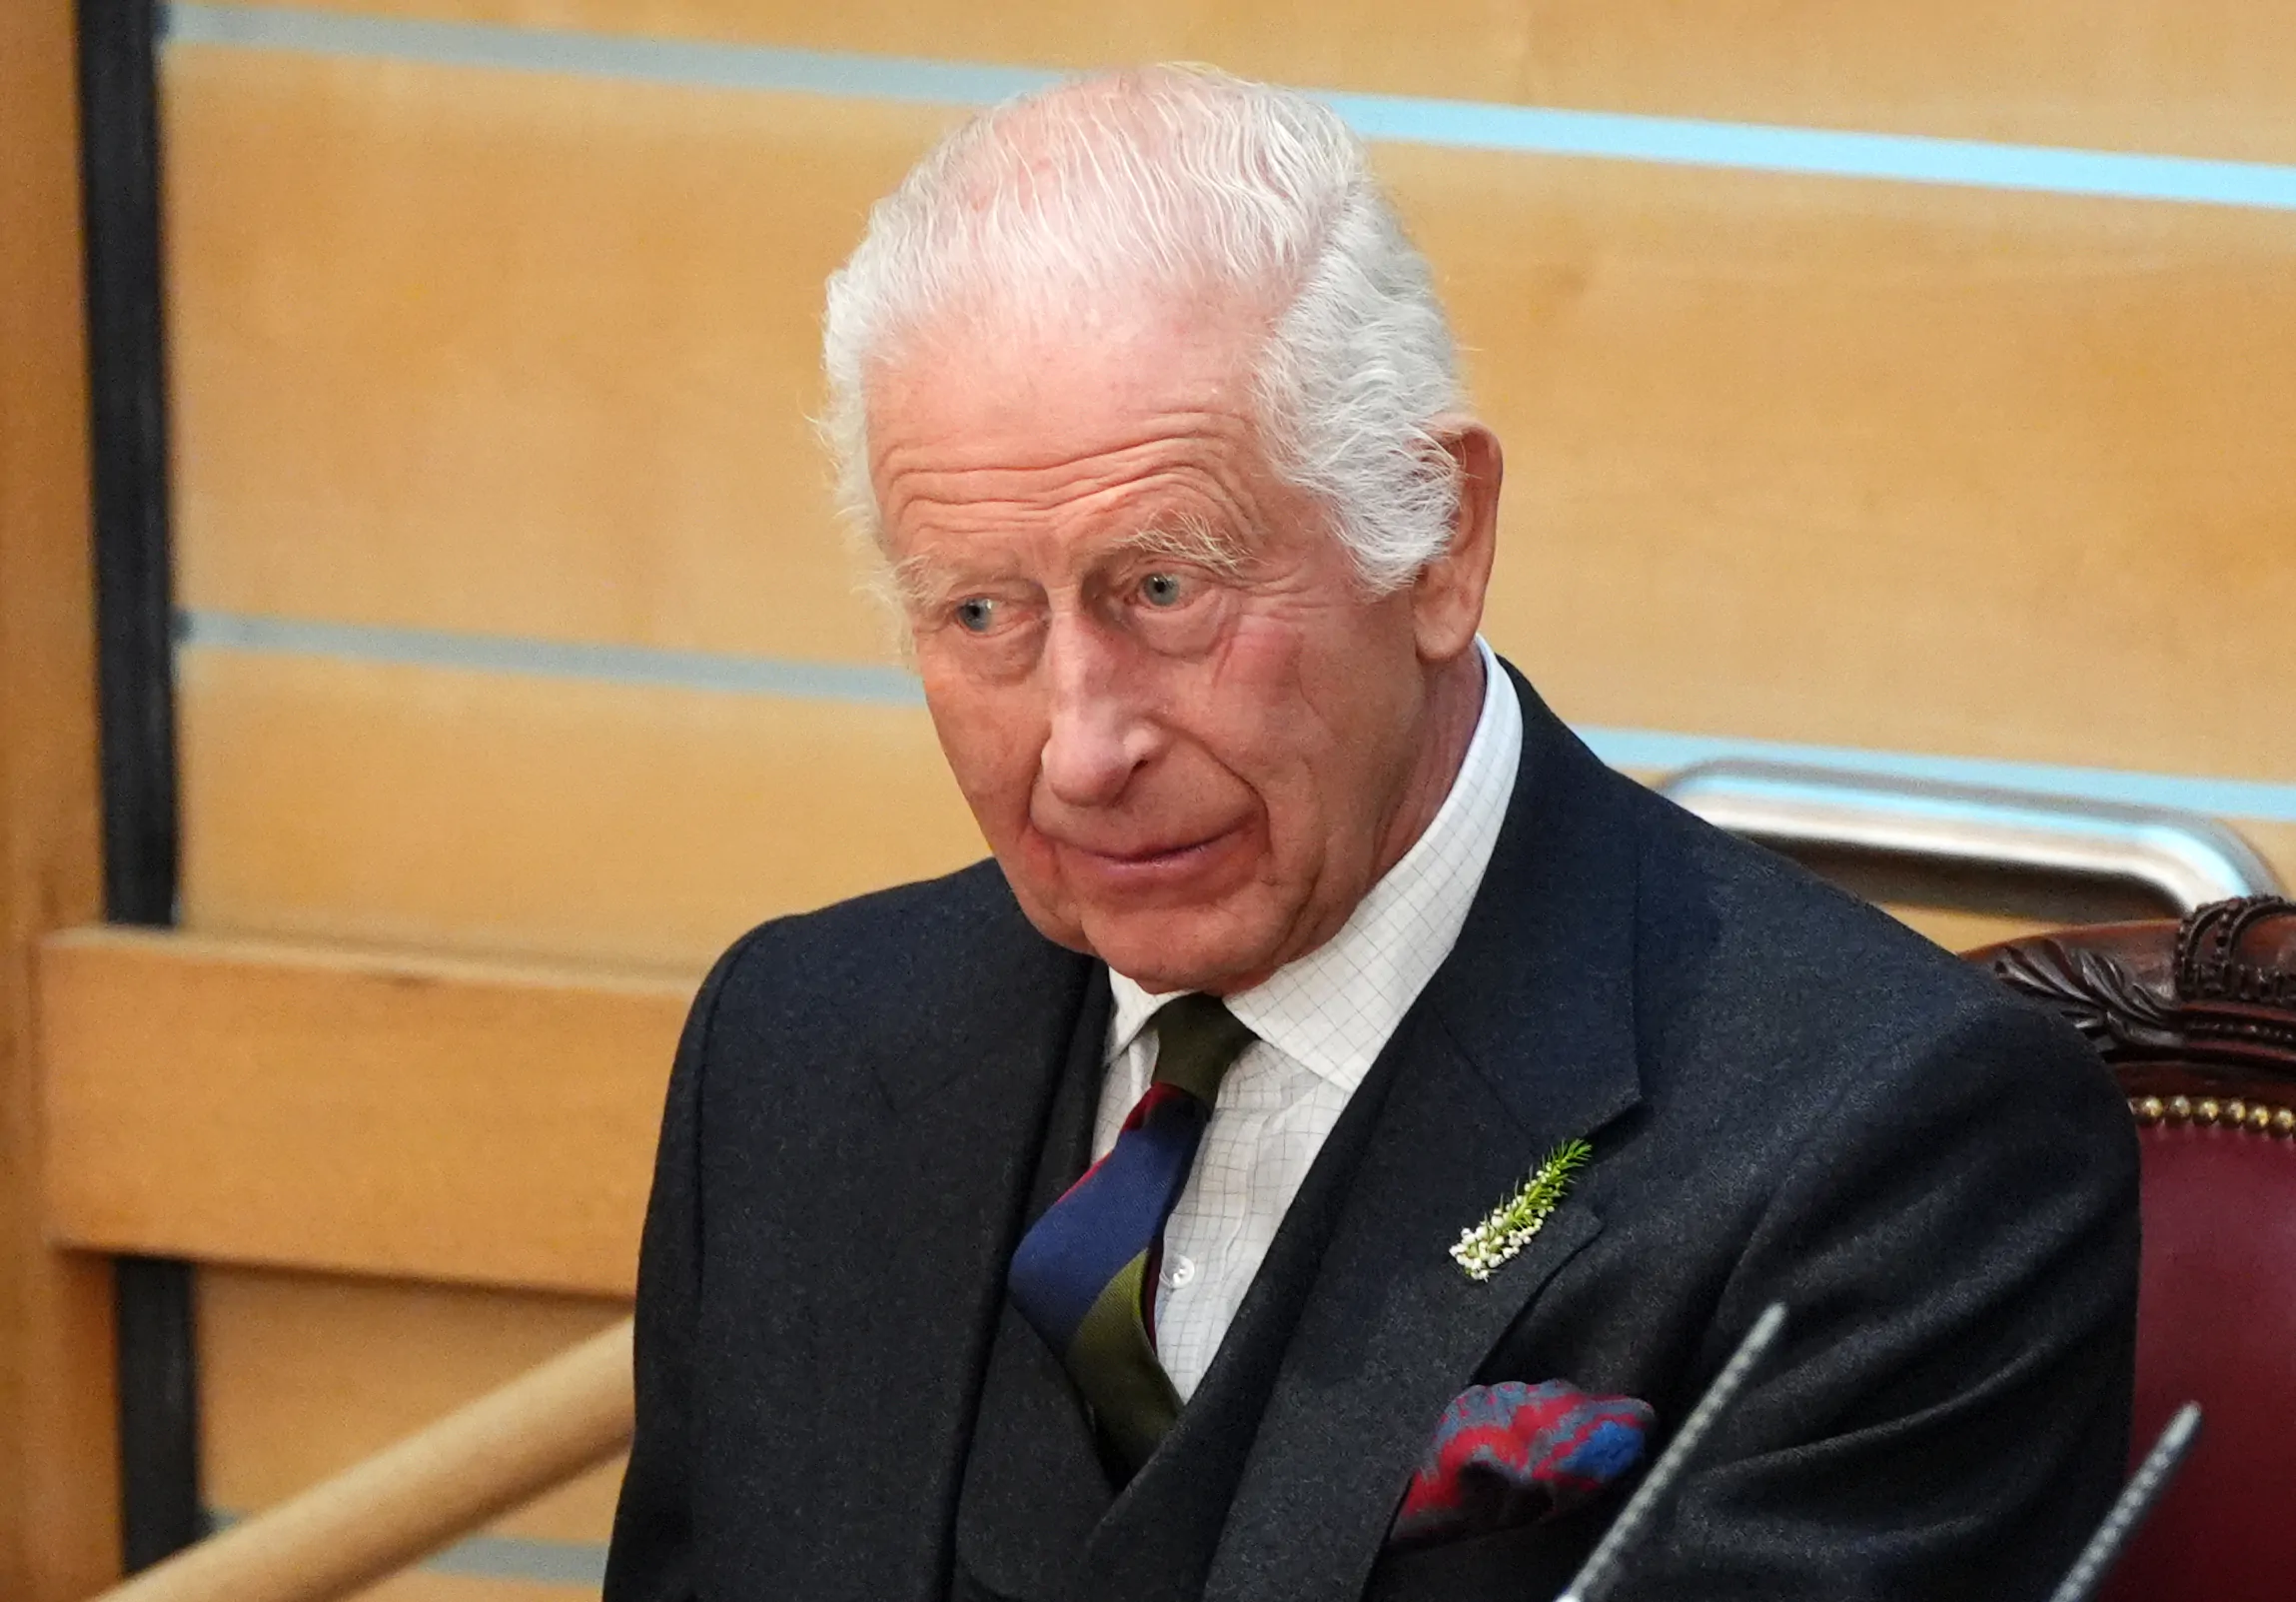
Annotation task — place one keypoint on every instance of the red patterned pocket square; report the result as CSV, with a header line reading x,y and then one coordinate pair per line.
x,y
1514,1453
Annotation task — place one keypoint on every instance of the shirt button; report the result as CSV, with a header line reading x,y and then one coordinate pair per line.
x,y
1177,1271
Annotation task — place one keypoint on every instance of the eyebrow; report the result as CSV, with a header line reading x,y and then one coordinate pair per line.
x,y
925,583
1184,537
922,585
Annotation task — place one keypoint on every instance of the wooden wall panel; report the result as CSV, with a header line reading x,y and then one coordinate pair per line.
x,y
491,811
1906,468
511,353
303,1375
2201,77
2190,77
58,1462
1813,459
366,1112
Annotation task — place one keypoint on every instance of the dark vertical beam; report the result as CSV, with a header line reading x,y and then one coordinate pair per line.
x,y
160,1501
161,1510
128,394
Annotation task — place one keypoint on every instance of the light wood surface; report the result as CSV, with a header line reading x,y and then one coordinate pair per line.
x,y
418,1494
1899,469
303,1375
1964,932
58,1516
2202,77
1844,462
514,354
401,1116
491,811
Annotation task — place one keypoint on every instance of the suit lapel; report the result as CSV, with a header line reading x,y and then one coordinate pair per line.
x,y
1525,1038
1033,1487
863,1249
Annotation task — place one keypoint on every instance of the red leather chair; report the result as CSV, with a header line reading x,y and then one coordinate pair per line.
x,y
2198,1023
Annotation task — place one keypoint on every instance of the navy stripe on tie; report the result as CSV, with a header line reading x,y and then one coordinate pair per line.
x,y
1071,1254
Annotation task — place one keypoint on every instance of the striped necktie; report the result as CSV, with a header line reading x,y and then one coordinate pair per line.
x,y
1084,1276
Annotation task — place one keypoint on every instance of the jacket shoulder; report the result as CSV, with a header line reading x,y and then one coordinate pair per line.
x,y
914,940
1816,1028
1740,944
884,981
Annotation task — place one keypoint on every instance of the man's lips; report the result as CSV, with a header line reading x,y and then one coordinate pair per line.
x,y
1145,853
1139,868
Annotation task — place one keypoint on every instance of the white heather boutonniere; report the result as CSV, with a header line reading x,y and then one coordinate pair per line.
x,y
1490,1245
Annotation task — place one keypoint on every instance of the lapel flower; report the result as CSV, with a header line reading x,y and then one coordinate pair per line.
x,y
1508,1229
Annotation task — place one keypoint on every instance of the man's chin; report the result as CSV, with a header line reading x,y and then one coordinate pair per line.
x,y
1211,946
1178,951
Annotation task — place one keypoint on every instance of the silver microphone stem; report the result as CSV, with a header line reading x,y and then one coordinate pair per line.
x,y
2136,1499
1601,1569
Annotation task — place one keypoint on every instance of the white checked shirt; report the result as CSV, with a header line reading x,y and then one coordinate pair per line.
x,y
1321,1020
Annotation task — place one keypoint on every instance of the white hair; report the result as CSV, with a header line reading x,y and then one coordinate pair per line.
x,y
1183,179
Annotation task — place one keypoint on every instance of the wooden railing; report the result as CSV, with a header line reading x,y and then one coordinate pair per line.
x,y
340,1110
411,1499
325,1114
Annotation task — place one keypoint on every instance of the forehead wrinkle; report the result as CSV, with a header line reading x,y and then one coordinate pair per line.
x,y
930,509
1177,430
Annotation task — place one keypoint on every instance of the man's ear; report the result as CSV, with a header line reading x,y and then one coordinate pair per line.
x,y
1447,596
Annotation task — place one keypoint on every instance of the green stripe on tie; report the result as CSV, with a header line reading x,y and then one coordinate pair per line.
x,y
1130,1392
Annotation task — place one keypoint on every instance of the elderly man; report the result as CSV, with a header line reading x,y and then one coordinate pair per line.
x,y
1089,1223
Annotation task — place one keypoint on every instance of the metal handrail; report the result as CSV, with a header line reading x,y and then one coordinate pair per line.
x,y
2182,858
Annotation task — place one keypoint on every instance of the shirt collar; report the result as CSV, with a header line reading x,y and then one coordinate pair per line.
x,y
1334,1010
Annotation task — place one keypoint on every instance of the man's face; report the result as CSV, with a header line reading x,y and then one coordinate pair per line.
x,y
1186,732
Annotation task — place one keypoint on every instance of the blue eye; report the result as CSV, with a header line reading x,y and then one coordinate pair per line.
x,y
1162,590
975,613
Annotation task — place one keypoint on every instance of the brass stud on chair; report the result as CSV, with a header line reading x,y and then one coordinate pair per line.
x,y
2147,1108
2235,1113
2180,1109
2260,1118
2207,1109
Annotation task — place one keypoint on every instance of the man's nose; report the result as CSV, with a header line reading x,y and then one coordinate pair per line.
x,y
1098,737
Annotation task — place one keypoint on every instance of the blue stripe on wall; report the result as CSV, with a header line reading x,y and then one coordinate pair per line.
x,y
672,61
1663,749
506,1557
552,659
497,1557
1463,124
1643,748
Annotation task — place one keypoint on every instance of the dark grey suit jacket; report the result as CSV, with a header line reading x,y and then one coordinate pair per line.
x,y
1791,1099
